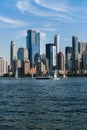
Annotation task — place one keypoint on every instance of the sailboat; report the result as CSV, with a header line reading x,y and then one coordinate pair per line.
x,y
32,75
16,74
56,76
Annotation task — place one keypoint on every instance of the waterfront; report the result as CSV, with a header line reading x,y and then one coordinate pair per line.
x,y
29,104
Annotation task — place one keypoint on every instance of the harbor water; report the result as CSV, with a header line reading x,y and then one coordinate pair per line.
x,y
30,104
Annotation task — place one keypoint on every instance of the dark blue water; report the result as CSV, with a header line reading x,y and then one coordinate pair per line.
x,y
29,104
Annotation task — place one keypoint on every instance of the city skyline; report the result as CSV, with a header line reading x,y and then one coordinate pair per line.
x,y
66,18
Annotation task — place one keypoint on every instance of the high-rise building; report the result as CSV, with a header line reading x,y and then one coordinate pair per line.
x,y
12,52
57,43
74,53
53,56
84,60
26,67
32,46
74,48
48,52
22,54
61,63
82,46
41,41
82,49
68,56
3,67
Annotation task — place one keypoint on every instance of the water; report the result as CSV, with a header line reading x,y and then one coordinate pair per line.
x,y
29,104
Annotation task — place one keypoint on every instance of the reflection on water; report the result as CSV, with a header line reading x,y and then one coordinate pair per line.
x,y
29,104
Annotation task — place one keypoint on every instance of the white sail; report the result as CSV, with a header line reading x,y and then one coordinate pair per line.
x,y
16,73
56,76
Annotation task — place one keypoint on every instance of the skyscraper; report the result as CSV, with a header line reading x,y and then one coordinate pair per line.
x,y
82,46
84,60
48,46
74,48
32,46
12,52
75,53
57,43
41,41
61,65
3,67
68,55
22,54
53,56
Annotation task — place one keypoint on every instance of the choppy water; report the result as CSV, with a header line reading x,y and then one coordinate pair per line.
x,y
29,104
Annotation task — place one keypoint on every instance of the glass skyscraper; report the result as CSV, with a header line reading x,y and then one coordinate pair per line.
x,y
57,43
74,53
12,52
41,41
53,55
35,45
22,54
68,55
74,48
32,46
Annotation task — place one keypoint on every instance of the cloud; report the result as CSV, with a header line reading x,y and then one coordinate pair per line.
x,y
39,8
22,33
59,10
12,23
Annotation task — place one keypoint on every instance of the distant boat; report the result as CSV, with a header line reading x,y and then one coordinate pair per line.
x,y
56,75
43,78
16,74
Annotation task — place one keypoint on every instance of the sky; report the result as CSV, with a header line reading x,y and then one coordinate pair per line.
x,y
64,17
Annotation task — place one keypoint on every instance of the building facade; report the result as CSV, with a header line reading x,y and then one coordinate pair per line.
x,y
57,43
48,46
12,52
3,67
74,53
61,63
53,56
41,41
22,54
68,56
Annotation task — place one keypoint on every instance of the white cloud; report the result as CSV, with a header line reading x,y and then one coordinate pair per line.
x,y
37,7
49,29
59,10
10,22
56,6
22,5
21,34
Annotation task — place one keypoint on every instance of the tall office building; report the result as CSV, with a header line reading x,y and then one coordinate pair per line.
x,y
48,52
32,46
84,60
68,56
53,56
82,49
3,67
82,46
75,53
12,52
57,43
22,54
41,41
61,63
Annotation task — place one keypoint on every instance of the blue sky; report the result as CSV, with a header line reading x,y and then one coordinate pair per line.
x,y
64,17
